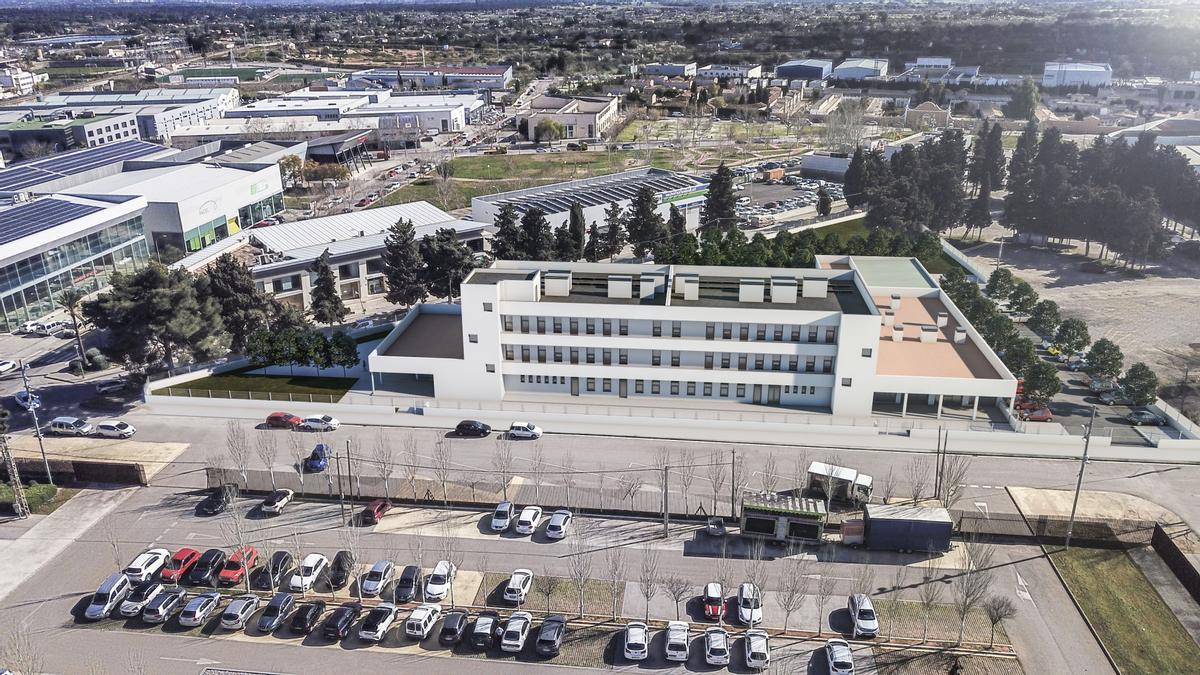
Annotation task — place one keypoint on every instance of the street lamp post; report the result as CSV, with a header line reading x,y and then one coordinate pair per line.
x,y
1087,440
37,427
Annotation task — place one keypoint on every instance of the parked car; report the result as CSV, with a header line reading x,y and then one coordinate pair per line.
x,y
379,576
1115,397
518,586
437,585
524,430
272,617
205,571
716,646
516,630
454,624
275,501
178,565
472,428
341,569
714,601
318,460
377,622
1077,365
238,612
6,365
372,513
420,622
1139,417
527,522
239,562
502,517
140,596
862,613
218,499
337,624
147,564
1023,403
839,657
27,400
749,602
637,641
311,568
282,420
164,605
483,633
108,597
271,576
320,423
405,588
758,649
1040,415
305,619
199,609
677,641
70,426
560,522
1097,386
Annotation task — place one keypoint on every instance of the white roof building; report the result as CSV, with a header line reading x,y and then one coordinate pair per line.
x,y
860,69
1063,74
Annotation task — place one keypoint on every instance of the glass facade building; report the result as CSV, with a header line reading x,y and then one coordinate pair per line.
x,y
29,286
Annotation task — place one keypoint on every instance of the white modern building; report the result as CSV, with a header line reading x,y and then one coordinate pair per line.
x,y
670,69
848,337
804,69
159,112
481,77
1064,74
718,70
597,194
860,69
17,82
586,117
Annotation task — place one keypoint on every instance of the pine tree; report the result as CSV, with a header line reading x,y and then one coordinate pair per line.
x,y
645,224
537,235
509,242
564,243
593,250
720,203
824,202
616,235
979,213
995,155
1018,202
578,229
447,262
979,156
855,180
325,303
402,265
244,308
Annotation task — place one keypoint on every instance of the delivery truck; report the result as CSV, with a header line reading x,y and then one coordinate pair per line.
x,y
838,483
896,527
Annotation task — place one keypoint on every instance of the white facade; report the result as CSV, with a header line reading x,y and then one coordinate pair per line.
x,y
670,69
18,82
729,71
807,338
860,69
1059,74
583,117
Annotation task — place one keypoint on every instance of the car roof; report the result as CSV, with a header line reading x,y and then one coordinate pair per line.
x,y
381,565
410,571
313,558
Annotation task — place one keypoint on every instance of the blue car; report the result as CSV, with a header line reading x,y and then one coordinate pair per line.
x,y
319,459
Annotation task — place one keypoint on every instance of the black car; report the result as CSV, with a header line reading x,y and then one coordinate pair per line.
x,y
406,584
472,428
270,576
218,499
337,624
550,635
454,624
483,633
341,569
306,616
206,569
277,608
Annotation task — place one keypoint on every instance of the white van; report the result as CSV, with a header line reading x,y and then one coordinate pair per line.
x,y
108,597
70,426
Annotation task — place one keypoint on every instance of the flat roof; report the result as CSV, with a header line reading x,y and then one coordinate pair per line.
x,y
57,123
49,220
430,336
329,229
941,358
42,214
559,197
885,272
172,183
490,277
840,296
25,175
935,514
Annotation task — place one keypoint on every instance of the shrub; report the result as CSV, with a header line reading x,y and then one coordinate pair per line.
x,y
38,494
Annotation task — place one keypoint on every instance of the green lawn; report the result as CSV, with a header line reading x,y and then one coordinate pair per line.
x,y
855,227
461,192
1133,622
242,74
239,384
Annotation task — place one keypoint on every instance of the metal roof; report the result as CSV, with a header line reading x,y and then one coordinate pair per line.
x,y
593,191
172,183
32,173
330,229
935,514
784,503
42,214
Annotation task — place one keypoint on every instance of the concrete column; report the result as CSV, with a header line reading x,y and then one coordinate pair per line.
x,y
904,406
939,409
974,407
373,382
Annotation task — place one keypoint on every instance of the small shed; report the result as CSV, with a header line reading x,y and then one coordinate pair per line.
x,y
783,517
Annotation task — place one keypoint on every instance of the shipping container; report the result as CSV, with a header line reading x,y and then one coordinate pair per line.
x,y
890,527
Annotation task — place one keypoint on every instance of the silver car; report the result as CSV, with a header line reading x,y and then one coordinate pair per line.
x,y
862,613
379,576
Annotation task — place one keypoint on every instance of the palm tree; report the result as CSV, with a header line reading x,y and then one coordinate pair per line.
x,y
71,300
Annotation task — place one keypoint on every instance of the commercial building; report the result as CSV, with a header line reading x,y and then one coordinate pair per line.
x,y
61,133
480,77
418,113
58,242
69,169
670,69
355,242
860,69
325,110
804,69
1064,74
850,337
158,112
597,194
716,70
251,129
586,117
17,82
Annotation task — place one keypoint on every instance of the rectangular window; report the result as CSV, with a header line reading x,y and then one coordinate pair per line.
x,y
639,387
708,360
674,359
827,365
623,357
574,326
522,379
710,330
676,329
606,326
541,325
761,332
778,334
558,354
472,338
812,333
538,379
741,361
708,388
591,355
726,331
674,388
758,361
725,360
508,352
591,384
655,387
691,389
606,357
741,391
795,333
776,362
348,271
524,324
846,381
607,385
810,364
591,326
574,355
541,354
623,327
830,335
656,358
656,329
725,389
525,354
557,325
744,332
793,363
866,352
490,367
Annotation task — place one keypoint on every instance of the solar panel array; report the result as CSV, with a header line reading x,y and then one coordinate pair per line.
x,y
43,214
38,171
557,201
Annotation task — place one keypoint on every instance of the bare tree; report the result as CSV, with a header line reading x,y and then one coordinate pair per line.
x,y
350,539
685,463
267,450
899,575
600,477
972,585
135,662
826,585
844,126
800,471
297,454
236,536
794,580
502,462
678,588
383,460
416,547
953,477
930,594
718,472
568,473
18,651
114,544
648,579
297,550
865,581
917,472
579,567
237,446
724,575
614,565
756,570
441,466
412,461
632,487
451,552
539,468
998,608
739,477
770,473
888,486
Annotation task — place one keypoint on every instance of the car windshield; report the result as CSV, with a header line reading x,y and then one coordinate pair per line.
x,y
306,571
637,646
717,651
842,665
437,579
751,602
758,656
405,582
174,564
233,565
374,575
866,615
271,611
501,514
512,635
100,598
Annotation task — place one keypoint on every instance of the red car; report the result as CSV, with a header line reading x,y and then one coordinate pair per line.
x,y
1039,415
235,567
282,420
179,564
1020,385
375,510
362,202
714,601
1026,404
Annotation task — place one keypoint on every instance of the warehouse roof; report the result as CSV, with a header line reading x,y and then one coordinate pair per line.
x,y
328,229
559,197
29,175
172,183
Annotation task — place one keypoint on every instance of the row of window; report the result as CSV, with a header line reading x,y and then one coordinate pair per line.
x,y
675,387
761,332
109,128
70,253
760,361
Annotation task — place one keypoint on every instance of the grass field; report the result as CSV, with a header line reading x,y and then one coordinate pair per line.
x,y
1133,622
243,74
460,194
83,71
855,227
670,128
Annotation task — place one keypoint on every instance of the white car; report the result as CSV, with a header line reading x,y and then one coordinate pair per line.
x,y
29,326
28,401
437,584
320,423
839,657
677,641
146,564
527,522
381,573
139,597
238,612
518,586
758,649
524,430
199,608
637,641
502,518
6,366
278,499
312,567
560,522
515,632
716,646
749,603
115,429
421,621
377,623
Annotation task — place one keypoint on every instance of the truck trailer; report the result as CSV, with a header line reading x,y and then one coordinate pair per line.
x,y
783,518
895,527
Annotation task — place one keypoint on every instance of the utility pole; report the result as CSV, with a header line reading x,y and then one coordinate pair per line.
x,y
20,505
732,484
666,505
357,490
341,493
937,466
37,427
1087,441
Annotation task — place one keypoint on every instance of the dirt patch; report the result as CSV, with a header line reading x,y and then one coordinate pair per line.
x,y
914,662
